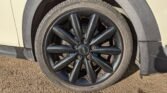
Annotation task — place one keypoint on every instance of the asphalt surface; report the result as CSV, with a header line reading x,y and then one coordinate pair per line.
x,y
21,76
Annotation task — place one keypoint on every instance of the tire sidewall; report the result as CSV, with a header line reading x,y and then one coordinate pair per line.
x,y
100,7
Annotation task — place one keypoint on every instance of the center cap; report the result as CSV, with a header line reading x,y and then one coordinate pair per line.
x,y
83,50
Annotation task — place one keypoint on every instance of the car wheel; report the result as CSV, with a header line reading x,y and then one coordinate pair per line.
x,y
83,45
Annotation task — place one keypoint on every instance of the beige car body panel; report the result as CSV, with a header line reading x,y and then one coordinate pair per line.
x,y
8,32
18,9
11,25
159,9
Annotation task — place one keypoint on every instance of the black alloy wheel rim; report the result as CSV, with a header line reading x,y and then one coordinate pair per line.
x,y
83,47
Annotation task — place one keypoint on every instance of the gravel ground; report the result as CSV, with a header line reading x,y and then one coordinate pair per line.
x,y
21,76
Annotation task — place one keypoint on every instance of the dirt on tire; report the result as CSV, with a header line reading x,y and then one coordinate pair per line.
x,y
21,76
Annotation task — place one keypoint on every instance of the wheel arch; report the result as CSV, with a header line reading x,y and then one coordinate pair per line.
x,y
28,16
34,11
147,30
138,12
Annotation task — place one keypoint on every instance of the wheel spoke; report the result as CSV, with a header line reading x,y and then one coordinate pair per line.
x,y
90,72
106,67
60,49
75,72
104,36
64,35
65,62
107,50
92,27
83,48
76,26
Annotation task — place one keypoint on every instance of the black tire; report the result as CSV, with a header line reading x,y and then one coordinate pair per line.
x,y
102,8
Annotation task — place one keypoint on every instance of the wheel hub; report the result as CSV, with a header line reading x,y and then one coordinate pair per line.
x,y
83,50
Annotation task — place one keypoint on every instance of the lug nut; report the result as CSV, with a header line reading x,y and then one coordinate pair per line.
x,y
93,47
